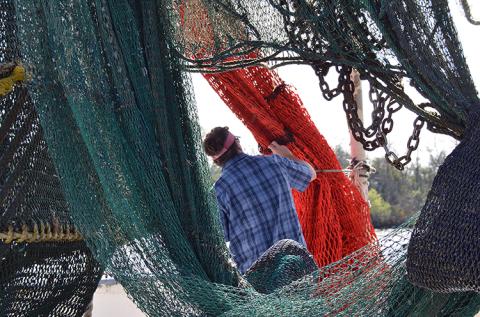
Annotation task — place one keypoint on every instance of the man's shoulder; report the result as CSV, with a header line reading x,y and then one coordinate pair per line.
x,y
273,160
248,165
262,158
226,179
241,162
264,162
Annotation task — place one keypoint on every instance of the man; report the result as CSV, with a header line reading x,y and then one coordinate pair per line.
x,y
254,195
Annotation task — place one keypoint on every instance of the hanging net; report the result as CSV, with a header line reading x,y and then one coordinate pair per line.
x,y
450,222
121,129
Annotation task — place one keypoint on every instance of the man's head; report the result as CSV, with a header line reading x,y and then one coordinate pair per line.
x,y
221,145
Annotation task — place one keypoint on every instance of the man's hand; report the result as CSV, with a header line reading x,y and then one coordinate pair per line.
x,y
281,150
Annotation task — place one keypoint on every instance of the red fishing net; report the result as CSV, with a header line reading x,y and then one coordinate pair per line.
x,y
334,217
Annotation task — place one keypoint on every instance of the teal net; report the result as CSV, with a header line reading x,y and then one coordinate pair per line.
x,y
120,124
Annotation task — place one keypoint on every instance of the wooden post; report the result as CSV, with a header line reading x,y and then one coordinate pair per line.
x,y
360,171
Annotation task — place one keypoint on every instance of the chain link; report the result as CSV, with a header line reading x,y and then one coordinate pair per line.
x,y
384,107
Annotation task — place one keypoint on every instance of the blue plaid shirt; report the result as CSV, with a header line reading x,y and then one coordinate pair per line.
x,y
256,204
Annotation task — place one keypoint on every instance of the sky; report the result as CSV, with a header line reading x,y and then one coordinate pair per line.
x,y
329,116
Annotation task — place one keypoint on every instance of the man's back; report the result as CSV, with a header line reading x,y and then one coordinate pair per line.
x,y
256,204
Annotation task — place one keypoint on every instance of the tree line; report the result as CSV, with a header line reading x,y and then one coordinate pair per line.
x,y
396,195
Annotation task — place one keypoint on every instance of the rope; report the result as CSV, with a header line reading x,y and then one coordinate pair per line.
x,y
7,83
359,177
361,165
346,171
468,13
40,233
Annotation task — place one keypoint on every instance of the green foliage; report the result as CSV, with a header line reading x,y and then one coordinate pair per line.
x,y
407,190
381,210
396,195
342,156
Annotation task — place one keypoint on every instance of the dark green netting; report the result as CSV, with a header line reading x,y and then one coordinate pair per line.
x,y
120,123
284,262
121,131
40,275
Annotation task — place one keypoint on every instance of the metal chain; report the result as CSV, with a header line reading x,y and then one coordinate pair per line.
x,y
412,145
384,107
321,70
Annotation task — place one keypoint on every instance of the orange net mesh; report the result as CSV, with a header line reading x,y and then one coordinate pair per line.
x,y
334,217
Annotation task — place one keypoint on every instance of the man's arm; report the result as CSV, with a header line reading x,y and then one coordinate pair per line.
x,y
283,151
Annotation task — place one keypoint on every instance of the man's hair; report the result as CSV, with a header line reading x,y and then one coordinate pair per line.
x,y
213,144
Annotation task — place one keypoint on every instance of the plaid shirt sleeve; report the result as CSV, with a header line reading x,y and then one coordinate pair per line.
x,y
298,173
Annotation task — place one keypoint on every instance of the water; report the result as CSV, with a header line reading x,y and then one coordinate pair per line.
x,y
381,233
